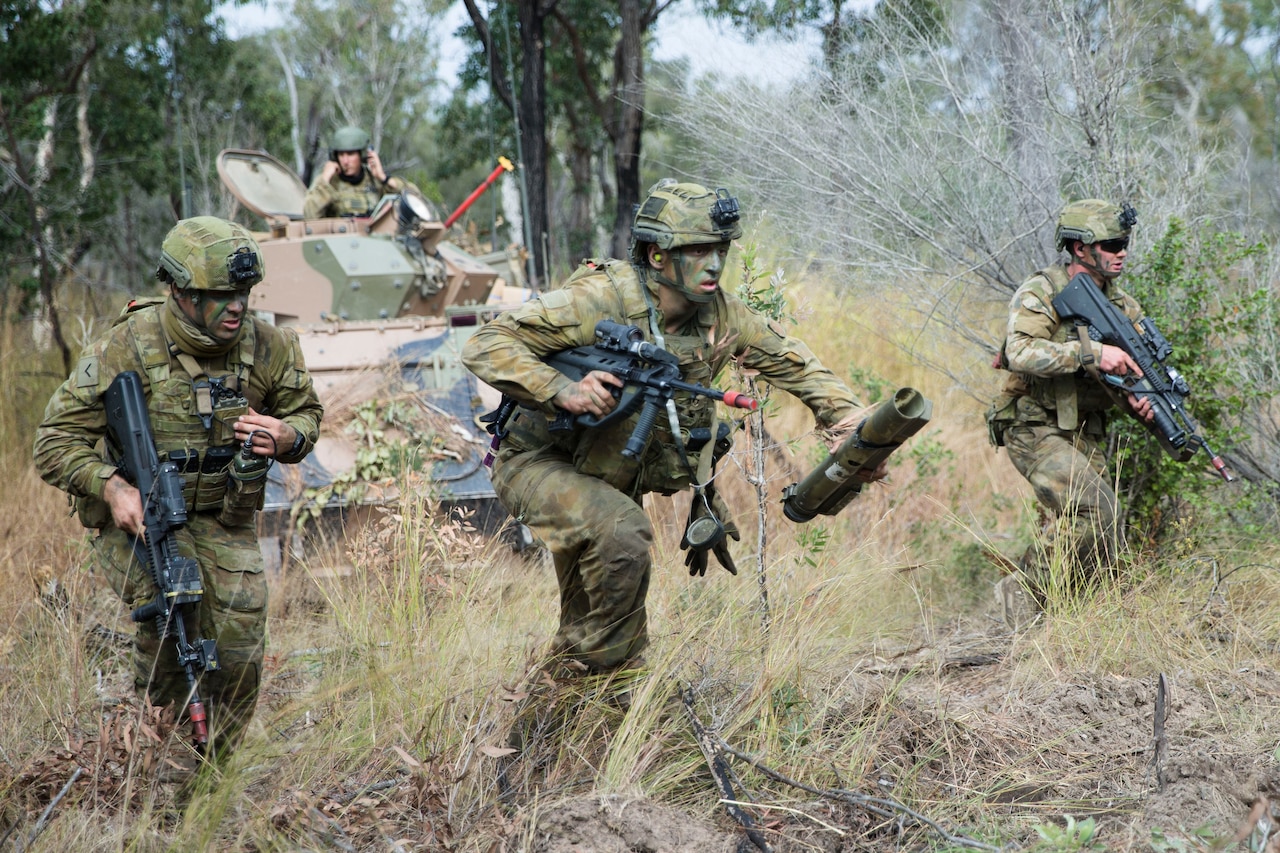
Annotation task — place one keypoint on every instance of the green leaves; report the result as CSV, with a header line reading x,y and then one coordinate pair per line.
x,y
1195,288
1072,836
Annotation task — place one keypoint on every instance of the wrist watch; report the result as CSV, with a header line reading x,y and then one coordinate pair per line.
x,y
297,443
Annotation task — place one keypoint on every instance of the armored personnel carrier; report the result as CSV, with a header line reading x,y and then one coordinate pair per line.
x,y
382,305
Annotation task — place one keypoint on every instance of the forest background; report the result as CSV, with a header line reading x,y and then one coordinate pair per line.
x,y
895,194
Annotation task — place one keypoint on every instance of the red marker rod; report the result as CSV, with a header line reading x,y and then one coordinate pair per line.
x,y
740,401
504,165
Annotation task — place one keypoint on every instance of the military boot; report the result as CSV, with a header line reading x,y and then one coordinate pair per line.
x,y
1018,608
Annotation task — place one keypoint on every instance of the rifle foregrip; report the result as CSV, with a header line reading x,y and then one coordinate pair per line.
x,y
644,425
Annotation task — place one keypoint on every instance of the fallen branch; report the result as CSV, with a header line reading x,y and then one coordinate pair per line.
x,y
49,809
709,743
348,797
879,806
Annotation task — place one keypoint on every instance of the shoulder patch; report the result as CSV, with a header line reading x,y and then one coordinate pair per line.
x,y
87,372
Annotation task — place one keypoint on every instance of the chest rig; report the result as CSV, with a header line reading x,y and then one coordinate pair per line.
x,y
673,459
1066,400
193,405
667,462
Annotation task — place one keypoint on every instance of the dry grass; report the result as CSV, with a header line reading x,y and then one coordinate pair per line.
x,y
391,686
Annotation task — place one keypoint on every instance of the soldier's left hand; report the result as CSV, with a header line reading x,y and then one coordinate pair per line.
x,y
281,435
881,471
374,164
1142,408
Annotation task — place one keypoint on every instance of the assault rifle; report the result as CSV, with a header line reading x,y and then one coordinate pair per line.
x,y
650,376
1165,387
177,578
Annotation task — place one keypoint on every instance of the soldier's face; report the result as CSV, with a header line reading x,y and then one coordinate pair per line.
x,y
1107,256
218,312
701,266
349,162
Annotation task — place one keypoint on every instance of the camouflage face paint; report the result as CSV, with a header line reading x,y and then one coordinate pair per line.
x,y
697,269
219,312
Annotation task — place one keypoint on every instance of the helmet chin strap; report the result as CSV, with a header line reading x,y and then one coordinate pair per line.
x,y
679,284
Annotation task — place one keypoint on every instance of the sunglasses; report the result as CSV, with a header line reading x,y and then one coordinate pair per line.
x,y
1115,246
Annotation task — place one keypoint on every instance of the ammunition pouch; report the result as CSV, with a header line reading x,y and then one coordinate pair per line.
x,y
204,475
698,436
1001,414
1024,411
245,495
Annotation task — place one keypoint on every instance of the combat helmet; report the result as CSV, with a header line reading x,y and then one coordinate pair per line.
x,y
208,253
349,138
1093,220
684,214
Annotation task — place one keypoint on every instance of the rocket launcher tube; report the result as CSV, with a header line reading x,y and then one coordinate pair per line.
x,y
829,487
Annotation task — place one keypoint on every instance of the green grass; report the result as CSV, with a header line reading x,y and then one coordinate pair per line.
x,y
390,687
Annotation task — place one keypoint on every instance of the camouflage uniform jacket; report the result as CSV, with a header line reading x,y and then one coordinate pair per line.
x,y
507,352
69,445
1047,383
337,197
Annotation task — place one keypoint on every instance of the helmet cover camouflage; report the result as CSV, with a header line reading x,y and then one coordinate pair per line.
x,y
1092,220
676,214
349,138
208,253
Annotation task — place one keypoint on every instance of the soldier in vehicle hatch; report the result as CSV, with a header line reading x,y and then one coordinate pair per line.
x,y
352,180
1052,415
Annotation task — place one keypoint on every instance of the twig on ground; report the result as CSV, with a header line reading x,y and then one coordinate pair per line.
x,y
49,808
766,806
1159,745
351,796
708,743
879,806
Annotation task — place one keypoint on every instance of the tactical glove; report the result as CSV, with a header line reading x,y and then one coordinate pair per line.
x,y
714,528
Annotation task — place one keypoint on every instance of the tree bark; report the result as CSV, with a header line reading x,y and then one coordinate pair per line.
x,y
628,124
532,120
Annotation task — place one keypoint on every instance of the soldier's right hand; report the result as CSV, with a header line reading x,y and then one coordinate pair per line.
x,y
1117,362
590,395
330,169
126,505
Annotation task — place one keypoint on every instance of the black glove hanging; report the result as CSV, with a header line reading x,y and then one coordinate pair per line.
x,y
707,532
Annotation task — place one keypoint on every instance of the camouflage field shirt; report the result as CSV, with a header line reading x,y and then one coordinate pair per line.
x,y
69,449
1043,353
507,351
340,198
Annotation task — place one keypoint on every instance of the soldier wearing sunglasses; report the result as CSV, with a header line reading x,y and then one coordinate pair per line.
x,y
1052,416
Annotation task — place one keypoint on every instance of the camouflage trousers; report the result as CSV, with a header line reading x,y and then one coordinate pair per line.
x,y
232,612
1069,475
599,539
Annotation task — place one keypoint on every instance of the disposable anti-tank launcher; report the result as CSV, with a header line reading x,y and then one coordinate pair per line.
x,y
835,482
